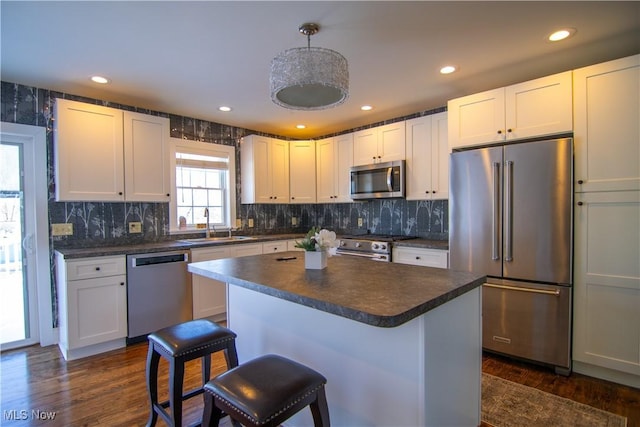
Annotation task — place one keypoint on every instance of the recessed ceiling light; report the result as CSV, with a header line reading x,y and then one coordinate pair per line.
x,y
562,34
366,108
100,79
301,126
224,108
447,69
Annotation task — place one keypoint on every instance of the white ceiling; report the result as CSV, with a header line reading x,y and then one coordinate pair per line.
x,y
188,58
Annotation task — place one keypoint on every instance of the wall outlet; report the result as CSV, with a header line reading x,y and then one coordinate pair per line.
x,y
65,229
135,227
238,223
250,222
294,221
360,222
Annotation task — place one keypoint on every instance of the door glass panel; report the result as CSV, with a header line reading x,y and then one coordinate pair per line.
x,y
14,312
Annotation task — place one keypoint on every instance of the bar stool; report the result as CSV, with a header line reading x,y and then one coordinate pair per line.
x,y
180,344
265,392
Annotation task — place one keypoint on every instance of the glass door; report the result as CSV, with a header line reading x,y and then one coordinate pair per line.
x,y
18,307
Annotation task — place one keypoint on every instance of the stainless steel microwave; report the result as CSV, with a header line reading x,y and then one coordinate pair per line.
x,y
378,181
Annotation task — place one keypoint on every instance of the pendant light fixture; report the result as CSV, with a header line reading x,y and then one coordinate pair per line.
x,y
309,78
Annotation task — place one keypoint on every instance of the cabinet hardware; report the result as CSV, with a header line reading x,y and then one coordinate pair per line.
x,y
499,132
509,130
580,203
97,268
121,283
580,181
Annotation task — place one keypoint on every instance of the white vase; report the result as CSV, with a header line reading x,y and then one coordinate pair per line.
x,y
315,260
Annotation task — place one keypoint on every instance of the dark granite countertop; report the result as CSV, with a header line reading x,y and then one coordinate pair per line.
x,y
376,293
169,245
423,243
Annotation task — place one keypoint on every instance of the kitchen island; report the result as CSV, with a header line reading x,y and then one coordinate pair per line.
x,y
400,345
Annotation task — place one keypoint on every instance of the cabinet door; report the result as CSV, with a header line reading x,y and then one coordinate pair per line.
x,y
325,172
88,154
419,160
539,107
97,310
607,280
342,180
302,172
391,142
476,119
607,108
279,171
209,296
439,156
365,147
146,157
262,169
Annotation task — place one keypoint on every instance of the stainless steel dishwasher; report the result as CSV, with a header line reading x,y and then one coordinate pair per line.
x,y
158,292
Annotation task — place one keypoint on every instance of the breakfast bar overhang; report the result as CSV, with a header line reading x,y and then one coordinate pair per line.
x,y
400,345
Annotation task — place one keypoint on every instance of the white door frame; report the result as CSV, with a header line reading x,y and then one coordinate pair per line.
x,y
34,141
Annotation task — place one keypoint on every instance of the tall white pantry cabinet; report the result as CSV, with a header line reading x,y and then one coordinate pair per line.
x,y
606,336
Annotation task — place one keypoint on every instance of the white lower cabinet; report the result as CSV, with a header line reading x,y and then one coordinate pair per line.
x,y
606,333
92,305
421,256
210,296
273,247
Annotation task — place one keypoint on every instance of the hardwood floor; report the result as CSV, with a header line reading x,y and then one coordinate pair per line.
x,y
110,389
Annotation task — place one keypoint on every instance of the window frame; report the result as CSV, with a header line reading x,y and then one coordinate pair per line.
x,y
207,149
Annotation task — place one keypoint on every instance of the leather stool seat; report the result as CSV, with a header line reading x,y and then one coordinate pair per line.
x,y
265,392
180,344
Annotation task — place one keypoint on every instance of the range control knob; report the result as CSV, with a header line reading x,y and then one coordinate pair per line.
x,y
358,244
375,246
343,243
383,246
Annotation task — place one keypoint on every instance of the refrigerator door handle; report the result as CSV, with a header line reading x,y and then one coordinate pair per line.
x,y
495,211
508,211
516,288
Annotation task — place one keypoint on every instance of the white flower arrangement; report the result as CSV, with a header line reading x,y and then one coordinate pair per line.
x,y
319,240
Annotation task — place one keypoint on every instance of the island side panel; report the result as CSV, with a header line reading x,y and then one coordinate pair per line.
x,y
376,376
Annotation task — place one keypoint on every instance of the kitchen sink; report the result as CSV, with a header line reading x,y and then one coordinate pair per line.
x,y
218,239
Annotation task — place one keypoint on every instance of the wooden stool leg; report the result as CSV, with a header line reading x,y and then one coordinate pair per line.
x,y
320,410
211,414
153,359
231,355
176,378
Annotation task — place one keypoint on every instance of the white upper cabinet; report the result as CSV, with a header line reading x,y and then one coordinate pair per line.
x,y
334,158
535,108
606,130
379,144
427,160
89,152
265,170
146,157
302,171
105,154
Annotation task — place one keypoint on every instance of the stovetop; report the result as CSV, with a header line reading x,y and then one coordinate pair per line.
x,y
378,237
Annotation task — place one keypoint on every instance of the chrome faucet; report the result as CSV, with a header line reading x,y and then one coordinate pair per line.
x,y
206,215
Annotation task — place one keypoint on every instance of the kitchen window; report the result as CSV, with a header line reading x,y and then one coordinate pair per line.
x,y
203,176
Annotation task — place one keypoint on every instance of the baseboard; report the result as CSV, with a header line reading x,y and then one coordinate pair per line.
x,y
90,350
606,374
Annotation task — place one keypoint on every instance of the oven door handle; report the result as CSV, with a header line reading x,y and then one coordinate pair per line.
x,y
360,254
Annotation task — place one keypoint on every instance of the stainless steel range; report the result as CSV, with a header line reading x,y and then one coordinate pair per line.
x,y
376,247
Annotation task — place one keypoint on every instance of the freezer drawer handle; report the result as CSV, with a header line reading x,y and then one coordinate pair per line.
x,y
516,288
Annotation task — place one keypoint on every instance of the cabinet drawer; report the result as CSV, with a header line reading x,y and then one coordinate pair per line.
x,y
424,257
208,254
272,247
89,268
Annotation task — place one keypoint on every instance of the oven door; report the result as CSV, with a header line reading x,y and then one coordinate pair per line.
x,y
372,256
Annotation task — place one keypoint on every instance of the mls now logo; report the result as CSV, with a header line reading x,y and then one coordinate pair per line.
x,y
15,415
23,414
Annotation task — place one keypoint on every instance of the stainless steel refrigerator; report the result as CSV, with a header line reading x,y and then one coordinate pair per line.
x,y
511,220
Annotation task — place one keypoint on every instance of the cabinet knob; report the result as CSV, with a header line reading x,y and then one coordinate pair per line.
x,y
500,132
121,283
509,130
580,181
417,257
270,197
168,195
97,268
275,197
434,191
580,203
120,193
